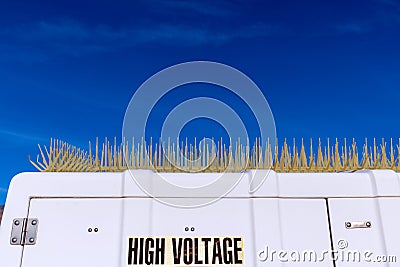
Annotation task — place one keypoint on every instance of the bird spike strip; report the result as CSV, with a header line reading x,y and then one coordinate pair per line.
x,y
107,157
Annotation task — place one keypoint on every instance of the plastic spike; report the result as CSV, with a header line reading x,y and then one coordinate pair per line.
x,y
61,156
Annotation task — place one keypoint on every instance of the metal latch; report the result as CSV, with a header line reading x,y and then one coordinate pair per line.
x,y
24,231
354,225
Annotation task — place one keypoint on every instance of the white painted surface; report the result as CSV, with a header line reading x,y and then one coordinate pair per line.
x,y
291,225
287,211
63,238
389,210
24,186
367,243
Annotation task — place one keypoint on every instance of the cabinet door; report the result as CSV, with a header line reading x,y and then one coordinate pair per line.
x,y
80,232
269,226
97,232
389,210
371,236
298,228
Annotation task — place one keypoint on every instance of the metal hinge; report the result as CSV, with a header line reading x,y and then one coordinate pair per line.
x,y
24,231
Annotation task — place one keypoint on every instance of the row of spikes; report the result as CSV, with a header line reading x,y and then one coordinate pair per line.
x,y
107,157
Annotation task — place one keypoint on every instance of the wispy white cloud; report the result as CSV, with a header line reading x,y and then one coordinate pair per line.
x,y
164,32
23,136
195,36
208,8
387,12
354,27
74,38
390,3
382,14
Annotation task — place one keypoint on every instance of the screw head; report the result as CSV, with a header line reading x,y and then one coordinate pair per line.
x,y
192,229
14,239
31,240
34,222
90,230
368,224
16,222
186,229
96,230
348,224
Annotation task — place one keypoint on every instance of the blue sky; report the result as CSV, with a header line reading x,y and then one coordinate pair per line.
x,y
68,69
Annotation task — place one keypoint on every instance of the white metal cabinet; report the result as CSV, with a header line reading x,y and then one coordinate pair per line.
x,y
288,212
